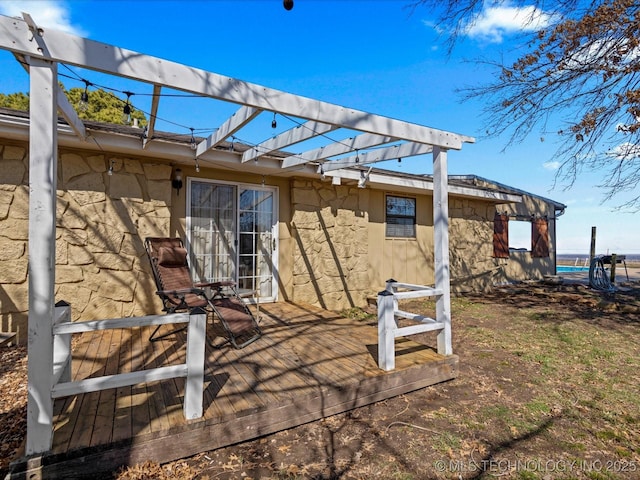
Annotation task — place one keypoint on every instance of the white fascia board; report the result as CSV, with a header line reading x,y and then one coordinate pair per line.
x,y
17,128
292,136
396,151
366,140
419,185
234,123
165,150
16,36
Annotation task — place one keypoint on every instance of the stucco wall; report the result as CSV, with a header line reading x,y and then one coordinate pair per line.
x,y
404,259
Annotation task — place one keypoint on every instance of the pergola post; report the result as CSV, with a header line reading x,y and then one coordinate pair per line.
x,y
43,160
386,331
441,247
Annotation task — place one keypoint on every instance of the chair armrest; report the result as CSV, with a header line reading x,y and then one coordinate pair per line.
x,y
225,283
206,284
181,291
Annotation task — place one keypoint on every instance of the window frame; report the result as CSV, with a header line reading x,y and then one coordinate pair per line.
x,y
388,215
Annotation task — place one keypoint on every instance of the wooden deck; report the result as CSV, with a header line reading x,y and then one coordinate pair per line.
x,y
309,364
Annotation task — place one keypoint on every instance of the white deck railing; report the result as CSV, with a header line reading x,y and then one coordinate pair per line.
x,y
389,313
62,386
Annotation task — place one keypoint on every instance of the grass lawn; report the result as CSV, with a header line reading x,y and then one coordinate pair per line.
x,y
548,389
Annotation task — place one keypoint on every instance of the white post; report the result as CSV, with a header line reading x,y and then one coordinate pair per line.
x,y
386,331
390,288
441,246
194,383
62,346
43,162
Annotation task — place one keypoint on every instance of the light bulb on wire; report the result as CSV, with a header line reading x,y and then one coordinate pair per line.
x,y
126,111
83,104
192,143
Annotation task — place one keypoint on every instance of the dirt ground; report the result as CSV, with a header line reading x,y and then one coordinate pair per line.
x,y
547,389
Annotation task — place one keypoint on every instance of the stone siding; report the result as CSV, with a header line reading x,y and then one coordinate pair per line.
x,y
102,220
472,265
330,254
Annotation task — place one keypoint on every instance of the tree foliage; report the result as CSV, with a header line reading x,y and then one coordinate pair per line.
x,y
102,106
17,101
581,71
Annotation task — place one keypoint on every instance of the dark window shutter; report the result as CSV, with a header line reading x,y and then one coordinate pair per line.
x,y
540,238
501,236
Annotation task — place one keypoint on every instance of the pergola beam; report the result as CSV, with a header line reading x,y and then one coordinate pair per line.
x,y
64,107
295,135
15,35
366,140
234,123
151,126
396,151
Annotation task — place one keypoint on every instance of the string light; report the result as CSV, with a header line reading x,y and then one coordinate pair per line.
x,y
192,143
83,104
110,171
197,166
126,111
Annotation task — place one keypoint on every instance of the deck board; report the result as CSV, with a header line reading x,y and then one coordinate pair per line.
x,y
309,364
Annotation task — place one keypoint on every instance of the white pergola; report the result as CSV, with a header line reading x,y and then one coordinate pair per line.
x,y
41,50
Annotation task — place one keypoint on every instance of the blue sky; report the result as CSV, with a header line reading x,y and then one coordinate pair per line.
x,y
378,56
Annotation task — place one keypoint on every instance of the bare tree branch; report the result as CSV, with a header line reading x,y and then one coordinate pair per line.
x,y
581,72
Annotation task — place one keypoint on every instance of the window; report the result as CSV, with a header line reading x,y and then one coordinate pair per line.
x,y
401,217
520,235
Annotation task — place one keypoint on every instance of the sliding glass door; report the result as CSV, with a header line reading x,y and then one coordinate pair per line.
x,y
232,234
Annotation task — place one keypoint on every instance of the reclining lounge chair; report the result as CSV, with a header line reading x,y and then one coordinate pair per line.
x,y
176,289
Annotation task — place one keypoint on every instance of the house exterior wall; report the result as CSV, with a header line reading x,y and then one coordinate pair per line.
x,y
102,220
407,260
521,264
472,265
333,251
342,255
330,252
